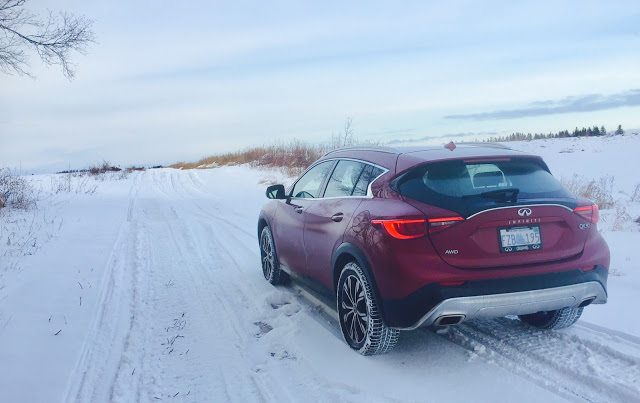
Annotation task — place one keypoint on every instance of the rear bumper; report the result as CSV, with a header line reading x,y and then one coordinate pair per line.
x,y
495,298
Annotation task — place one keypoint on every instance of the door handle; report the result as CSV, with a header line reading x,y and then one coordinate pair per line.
x,y
337,217
299,209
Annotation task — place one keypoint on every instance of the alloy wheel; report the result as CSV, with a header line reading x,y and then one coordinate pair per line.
x,y
268,260
353,309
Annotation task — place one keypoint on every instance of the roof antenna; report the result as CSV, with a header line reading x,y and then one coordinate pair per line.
x,y
451,146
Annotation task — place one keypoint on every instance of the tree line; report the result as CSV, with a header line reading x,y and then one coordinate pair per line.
x,y
582,132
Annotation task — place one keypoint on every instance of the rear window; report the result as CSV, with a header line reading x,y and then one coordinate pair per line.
x,y
457,183
368,175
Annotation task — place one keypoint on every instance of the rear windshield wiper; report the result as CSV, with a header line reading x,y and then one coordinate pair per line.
x,y
510,194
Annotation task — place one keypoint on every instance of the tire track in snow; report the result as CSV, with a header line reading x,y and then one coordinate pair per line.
x,y
101,359
209,273
243,259
564,362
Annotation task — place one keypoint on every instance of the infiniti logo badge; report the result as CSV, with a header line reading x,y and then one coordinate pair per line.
x,y
524,212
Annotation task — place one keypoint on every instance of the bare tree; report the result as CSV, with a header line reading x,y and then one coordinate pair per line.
x,y
345,137
53,37
348,132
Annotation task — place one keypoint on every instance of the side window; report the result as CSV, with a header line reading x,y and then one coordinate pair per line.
x,y
368,175
344,178
308,186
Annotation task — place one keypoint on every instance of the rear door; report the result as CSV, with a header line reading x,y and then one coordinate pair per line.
x,y
327,218
514,212
289,224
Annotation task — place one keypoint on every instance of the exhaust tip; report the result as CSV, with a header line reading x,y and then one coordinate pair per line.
x,y
447,320
586,302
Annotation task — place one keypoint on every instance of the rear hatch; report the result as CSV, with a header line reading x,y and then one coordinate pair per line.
x,y
515,212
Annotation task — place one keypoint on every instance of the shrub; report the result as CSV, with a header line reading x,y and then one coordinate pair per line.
x,y
622,219
15,191
599,191
103,168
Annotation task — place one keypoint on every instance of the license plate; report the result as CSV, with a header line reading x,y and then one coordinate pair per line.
x,y
519,239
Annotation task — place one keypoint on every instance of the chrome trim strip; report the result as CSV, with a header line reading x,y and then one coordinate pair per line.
x,y
515,303
519,206
369,194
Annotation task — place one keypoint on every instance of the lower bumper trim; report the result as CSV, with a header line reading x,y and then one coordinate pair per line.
x,y
514,303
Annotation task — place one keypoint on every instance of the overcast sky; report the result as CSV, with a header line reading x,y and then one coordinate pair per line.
x,y
174,80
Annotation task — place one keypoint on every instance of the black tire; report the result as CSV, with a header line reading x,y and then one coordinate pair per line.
x,y
558,319
270,265
362,326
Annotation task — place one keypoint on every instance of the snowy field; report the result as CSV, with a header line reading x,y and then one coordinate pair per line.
x,y
149,288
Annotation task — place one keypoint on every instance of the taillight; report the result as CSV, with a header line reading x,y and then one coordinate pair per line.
x,y
404,228
591,212
440,223
416,227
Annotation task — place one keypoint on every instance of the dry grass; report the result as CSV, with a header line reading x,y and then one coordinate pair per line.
x,y
600,191
293,157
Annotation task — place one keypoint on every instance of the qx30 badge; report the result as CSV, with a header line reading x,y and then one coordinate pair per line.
x,y
524,212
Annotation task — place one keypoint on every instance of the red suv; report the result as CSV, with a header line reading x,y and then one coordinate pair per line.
x,y
400,238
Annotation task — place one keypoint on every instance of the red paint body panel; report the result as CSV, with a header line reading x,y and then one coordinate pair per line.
x,y
288,228
322,235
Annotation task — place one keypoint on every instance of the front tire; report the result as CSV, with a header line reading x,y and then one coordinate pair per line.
x,y
558,319
362,326
270,265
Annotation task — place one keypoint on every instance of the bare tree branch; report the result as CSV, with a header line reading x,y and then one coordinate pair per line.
x,y
348,132
53,38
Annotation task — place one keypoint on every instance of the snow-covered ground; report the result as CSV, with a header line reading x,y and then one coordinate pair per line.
x,y
149,288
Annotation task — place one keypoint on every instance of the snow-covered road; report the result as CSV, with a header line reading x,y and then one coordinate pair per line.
x,y
179,311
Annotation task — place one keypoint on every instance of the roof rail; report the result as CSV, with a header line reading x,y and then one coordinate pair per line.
x,y
363,148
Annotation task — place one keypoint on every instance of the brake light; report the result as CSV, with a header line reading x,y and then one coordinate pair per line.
x,y
404,228
591,213
440,223
415,228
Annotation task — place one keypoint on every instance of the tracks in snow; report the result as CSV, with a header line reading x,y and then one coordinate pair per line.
x,y
184,310
576,363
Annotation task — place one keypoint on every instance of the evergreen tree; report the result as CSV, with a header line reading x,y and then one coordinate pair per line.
x,y
603,131
619,131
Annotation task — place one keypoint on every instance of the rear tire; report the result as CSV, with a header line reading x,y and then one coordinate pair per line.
x,y
362,326
558,319
270,265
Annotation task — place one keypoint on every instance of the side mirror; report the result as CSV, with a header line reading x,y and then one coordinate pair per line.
x,y
276,192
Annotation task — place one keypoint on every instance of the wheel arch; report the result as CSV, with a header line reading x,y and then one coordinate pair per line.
x,y
348,252
262,222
